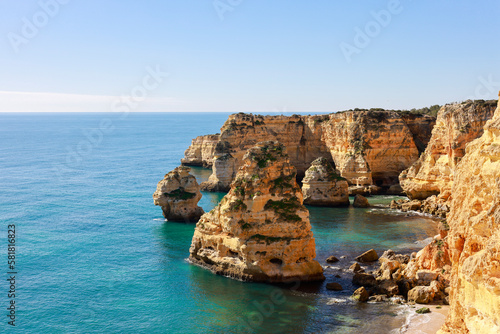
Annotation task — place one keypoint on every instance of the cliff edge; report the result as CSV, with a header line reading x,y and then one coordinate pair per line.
x,y
474,237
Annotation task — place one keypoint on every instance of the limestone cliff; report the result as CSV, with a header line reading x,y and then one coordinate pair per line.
x,y
260,231
178,195
323,186
457,124
201,152
474,236
369,148
421,128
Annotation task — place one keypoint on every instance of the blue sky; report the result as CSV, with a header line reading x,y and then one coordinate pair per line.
x,y
246,55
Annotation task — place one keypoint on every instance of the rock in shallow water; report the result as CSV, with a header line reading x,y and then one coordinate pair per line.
x,y
360,202
361,295
369,256
332,259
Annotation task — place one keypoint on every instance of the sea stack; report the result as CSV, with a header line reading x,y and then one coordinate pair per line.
x,y
260,231
323,185
178,195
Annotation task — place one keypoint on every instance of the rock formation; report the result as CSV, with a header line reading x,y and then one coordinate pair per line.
x,y
202,151
369,148
260,231
223,172
457,124
474,236
178,195
360,202
422,279
323,186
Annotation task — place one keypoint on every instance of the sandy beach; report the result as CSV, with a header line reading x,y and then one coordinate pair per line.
x,y
428,323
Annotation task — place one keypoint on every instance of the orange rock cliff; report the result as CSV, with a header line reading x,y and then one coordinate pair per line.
x,y
474,236
260,231
457,124
369,148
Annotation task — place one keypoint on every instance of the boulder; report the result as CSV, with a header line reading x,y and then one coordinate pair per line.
x,y
361,295
356,267
360,202
421,294
388,288
426,277
411,206
365,280
369,256
332,259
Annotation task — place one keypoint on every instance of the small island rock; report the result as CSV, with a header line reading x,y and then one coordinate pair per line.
x,y
178,195
323,185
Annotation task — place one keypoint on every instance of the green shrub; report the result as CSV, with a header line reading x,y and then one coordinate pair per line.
x,y
180,194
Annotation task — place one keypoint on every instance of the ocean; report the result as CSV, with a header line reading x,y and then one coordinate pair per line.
x,y
94,255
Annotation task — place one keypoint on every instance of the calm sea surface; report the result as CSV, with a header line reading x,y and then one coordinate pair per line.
x,y
94,255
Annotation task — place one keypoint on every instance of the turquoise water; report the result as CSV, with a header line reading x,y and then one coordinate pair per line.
x,y
94,255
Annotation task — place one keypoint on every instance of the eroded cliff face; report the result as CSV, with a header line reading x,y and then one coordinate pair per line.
x,y
323,186
474,236
178,195
457,124
369,148
201,152
260,231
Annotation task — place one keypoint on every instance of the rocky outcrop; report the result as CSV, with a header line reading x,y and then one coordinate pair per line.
x,y
421,128
474,236
369,148
360,202
223,173
178,195
260,231
457,124
434,205
202,151
422,279
323,186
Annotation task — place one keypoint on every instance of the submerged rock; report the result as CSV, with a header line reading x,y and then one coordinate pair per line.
x,y
334,286
323,186
178,195
332,259
260,231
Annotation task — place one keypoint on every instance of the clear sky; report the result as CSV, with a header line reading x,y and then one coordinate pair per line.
x,y
246,55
